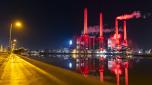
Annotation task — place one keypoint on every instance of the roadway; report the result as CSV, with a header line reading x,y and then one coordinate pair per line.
x,y
19,70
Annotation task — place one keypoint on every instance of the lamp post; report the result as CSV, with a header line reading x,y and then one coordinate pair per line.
x,y
16,24
10,38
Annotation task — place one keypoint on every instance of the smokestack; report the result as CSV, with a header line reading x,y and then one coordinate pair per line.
x,y
116,27
125,31
85,21
101,25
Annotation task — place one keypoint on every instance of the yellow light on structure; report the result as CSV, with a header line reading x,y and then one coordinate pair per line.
x,y
18,24
74,51
14,40
13,44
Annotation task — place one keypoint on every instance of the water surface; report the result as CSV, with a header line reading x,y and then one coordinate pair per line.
x,y
123,70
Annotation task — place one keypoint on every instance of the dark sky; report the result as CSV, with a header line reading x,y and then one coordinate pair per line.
x,y
51,23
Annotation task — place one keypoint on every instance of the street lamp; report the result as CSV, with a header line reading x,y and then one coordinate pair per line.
x,y
14,44
15,25
18,24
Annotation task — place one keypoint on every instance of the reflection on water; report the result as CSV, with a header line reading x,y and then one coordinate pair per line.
x,y
116,66
121,70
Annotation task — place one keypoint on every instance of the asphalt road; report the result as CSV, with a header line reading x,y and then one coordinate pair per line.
x,y
19,70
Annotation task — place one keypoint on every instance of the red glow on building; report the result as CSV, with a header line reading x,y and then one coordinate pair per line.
x,y
118,36
117,69
85,71
85,39
101,43
90,39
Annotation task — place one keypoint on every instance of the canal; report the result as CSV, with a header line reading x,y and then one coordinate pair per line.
x,y
120,70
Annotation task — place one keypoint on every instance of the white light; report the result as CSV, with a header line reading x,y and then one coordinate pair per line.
x,y
70,42
103,51
70,65
97,52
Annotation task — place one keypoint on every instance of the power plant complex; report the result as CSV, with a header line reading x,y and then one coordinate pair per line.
x,y
98,41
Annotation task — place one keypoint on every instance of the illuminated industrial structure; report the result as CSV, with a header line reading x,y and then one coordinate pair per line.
x,y
85,41
117,41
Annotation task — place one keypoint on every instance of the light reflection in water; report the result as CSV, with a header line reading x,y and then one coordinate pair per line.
x,y
116,65
105,68
70,65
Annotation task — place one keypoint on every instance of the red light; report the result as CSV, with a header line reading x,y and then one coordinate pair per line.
x,y
101,58
117,70
85,21
126,72
116,27
101,25
101,70
85,71
126,64
117,36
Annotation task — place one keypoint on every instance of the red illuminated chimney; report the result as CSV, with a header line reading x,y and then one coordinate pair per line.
x,y
125,33
85,21
101,25
116,27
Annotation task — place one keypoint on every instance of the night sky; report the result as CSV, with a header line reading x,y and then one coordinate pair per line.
x,y
52,23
